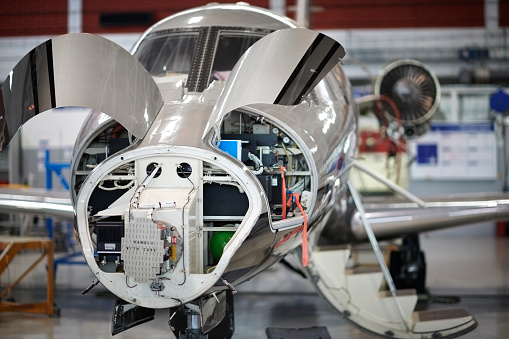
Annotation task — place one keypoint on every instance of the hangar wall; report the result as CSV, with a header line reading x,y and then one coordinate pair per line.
x,y
449,35
25,17
362,14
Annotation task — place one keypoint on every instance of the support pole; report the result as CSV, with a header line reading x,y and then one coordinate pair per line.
x,y
378,253
390,185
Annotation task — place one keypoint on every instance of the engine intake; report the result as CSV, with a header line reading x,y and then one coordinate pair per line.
x,y
409,95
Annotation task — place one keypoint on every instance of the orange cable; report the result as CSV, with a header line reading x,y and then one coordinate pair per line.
x,y
305,254
283,192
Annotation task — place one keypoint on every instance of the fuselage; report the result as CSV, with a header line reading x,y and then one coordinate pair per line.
x,y
191,207
219,145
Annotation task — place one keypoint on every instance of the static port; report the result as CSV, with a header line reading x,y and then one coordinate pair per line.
x,y
151,167
184,170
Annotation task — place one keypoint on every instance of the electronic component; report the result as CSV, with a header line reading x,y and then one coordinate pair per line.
x,y
109,234
251,143
223,200
173,245
272,184
142,250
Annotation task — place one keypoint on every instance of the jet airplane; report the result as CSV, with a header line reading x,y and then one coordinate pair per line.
x,y
221,143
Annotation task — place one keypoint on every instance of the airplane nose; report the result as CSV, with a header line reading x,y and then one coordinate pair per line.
x,y
152,221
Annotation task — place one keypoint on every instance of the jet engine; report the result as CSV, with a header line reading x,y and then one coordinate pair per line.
x,y
407,95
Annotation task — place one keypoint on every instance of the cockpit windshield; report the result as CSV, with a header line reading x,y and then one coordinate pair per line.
x,y
202,55
168,55
230,47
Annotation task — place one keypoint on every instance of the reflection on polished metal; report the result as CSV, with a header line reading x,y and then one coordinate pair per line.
x,y
79,70
36,201
389,218
265,75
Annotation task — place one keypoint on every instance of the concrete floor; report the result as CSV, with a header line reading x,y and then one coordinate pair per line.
x,y
475,268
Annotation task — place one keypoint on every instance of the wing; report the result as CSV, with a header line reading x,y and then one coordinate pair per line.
x,y
36,201
390,219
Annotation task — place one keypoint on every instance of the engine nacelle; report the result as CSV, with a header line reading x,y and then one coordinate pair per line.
x,y
407,96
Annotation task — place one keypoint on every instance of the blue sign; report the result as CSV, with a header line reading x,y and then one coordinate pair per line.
x,y
427,154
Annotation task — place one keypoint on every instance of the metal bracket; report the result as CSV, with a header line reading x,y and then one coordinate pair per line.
x,y
390,184
378,253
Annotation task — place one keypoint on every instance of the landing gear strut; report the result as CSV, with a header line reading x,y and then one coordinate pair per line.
x,y
205,318
193,330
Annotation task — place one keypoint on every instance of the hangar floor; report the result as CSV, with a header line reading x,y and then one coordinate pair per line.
x,y
475,268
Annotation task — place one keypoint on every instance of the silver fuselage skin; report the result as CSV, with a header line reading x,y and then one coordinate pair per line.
x,y
323,127
221,143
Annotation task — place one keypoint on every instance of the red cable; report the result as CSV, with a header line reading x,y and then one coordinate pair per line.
x,y
396,115
305,255
399,146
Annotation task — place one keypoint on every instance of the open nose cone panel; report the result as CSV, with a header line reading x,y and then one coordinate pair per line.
x,y
356,291
152,221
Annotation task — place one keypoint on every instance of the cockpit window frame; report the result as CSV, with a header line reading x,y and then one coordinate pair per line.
x,y
199,75
233,33
169,33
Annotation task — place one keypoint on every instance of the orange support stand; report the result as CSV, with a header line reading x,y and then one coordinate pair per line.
x,y
9,247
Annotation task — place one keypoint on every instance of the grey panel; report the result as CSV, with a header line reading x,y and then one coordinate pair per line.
x,y
79,70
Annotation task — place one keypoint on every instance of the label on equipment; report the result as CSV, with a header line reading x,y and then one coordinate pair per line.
x,y
173,240
109,247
